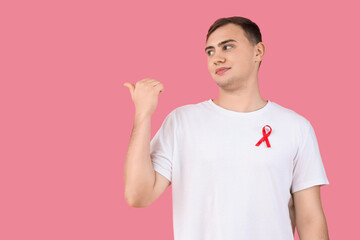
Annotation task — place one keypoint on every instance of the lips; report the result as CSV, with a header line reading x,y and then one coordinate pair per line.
x,y
221,70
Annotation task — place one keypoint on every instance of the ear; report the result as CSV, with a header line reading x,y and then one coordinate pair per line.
x,y
259,51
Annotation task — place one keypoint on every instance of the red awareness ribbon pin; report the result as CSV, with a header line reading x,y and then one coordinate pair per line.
x,y
265,137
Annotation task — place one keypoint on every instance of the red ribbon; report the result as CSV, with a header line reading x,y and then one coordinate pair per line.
x,y
265,137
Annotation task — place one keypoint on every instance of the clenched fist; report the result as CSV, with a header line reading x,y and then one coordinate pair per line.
x,y
145,95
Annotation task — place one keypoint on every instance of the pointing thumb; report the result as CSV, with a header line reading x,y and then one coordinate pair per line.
x,y
130,86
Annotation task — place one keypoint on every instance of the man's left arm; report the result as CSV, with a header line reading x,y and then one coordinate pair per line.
x,y
309,215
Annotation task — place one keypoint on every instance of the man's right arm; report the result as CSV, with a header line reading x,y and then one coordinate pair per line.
x,y
142,184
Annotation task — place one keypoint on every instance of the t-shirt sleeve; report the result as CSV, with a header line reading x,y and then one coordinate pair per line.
x,y
308,166
162,145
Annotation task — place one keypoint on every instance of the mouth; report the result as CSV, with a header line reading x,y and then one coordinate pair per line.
x,y
222,71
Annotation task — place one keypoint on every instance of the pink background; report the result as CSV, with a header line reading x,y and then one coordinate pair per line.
x,y
66,117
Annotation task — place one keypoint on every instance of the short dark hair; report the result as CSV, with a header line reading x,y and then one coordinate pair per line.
x,y
251,29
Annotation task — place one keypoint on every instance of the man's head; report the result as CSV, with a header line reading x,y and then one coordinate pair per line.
x,y
243,55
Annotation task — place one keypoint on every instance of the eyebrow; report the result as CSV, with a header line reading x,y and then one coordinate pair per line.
x,y
221,43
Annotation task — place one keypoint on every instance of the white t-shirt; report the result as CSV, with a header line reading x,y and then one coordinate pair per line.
x,y
232,179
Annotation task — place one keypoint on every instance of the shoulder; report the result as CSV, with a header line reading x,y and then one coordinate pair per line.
x,y
190,110
290,117
176,116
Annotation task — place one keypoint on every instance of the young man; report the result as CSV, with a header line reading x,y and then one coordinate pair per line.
x,y
240,167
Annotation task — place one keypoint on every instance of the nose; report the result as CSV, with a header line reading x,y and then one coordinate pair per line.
x,y
218,59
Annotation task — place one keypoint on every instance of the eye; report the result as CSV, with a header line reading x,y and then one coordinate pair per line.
x,y
227,46
208,52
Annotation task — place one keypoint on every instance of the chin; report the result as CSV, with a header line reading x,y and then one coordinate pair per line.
x,y
227,83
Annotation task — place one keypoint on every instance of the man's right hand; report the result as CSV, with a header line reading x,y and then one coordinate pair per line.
x,y
145,95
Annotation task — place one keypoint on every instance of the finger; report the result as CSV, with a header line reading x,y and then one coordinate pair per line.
x,y
159,86
130,86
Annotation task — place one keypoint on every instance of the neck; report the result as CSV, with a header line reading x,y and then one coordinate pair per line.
x,y
244,99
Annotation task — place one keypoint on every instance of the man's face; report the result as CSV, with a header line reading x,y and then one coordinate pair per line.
x,y
239,55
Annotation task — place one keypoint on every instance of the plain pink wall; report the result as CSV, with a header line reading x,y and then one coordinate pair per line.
x,y
66,117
